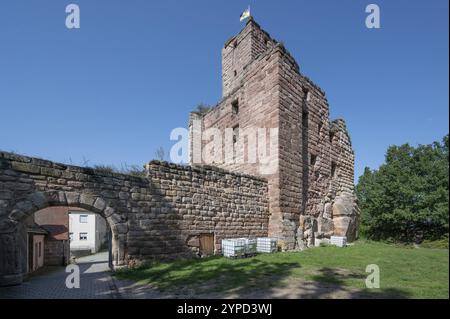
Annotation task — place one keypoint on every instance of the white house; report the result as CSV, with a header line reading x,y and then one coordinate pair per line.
x,y
87,231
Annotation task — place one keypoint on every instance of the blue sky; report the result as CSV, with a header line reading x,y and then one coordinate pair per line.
x,y
112,91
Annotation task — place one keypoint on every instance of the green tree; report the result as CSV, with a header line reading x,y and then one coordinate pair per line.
x,y
406,199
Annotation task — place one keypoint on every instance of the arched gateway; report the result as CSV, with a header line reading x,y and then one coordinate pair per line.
x,y
162,215
13,232
29,185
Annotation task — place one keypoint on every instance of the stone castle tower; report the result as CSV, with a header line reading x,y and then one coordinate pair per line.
x,y
311,189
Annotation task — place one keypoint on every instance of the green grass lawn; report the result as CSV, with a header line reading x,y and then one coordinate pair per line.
x,y
405,272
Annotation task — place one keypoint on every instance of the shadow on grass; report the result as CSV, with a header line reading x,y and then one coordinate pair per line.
x,y
217,277
331,280
336,276
213,274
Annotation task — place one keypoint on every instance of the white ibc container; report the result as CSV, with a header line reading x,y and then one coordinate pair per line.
x,y
340,241
234,247
266,245
250,247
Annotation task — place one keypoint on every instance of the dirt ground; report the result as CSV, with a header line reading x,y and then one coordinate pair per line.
x,y
293,289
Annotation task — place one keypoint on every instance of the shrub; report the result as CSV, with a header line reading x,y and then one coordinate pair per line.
x,y
406,199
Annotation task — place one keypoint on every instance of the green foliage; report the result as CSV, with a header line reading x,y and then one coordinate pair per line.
x,y
126,169
406,199
202,109
105,168
134,170
435,244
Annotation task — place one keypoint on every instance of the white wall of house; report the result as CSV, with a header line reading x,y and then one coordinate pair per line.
x,y
87,231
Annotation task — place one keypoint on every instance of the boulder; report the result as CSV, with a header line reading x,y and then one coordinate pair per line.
x,y
346,226
325,227
346,216
193,241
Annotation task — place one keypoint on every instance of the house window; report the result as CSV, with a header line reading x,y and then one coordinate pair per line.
x,y
83,219
70,236
313,159
235,134
235,73
40,249
319,128
83,236
333,169
235,107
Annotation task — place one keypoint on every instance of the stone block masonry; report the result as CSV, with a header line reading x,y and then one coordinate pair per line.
x,y
159,216
176,211
311,194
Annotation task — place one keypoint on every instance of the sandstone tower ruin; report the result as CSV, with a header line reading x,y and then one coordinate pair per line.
x,y
311,193
184,211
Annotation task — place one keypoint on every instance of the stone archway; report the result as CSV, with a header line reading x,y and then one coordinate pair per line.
x,y
151,216
13,236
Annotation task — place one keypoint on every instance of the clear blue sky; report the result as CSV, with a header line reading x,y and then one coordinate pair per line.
x,y
112,91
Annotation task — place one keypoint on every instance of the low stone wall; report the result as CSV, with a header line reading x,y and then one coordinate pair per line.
x,y
159,216
190,201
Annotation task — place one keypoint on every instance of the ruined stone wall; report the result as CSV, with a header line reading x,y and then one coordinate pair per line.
x,y
344,209
159,216
196,200
290,154
257,94
239,52
314,156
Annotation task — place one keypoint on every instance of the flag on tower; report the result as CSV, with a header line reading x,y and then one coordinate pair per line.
x,y
245,14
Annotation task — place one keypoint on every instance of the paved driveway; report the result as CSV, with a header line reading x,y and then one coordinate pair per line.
x,y
50,283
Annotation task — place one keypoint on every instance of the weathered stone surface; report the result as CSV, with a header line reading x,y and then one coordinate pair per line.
x,y
309,194
38,199
121,228
73,198
326,226
99,204
327,211
6,194
343,207
108,211
193,241
114,219
345,226
314,155
87,200
50,172
25,206
17,214
157,220
25,167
